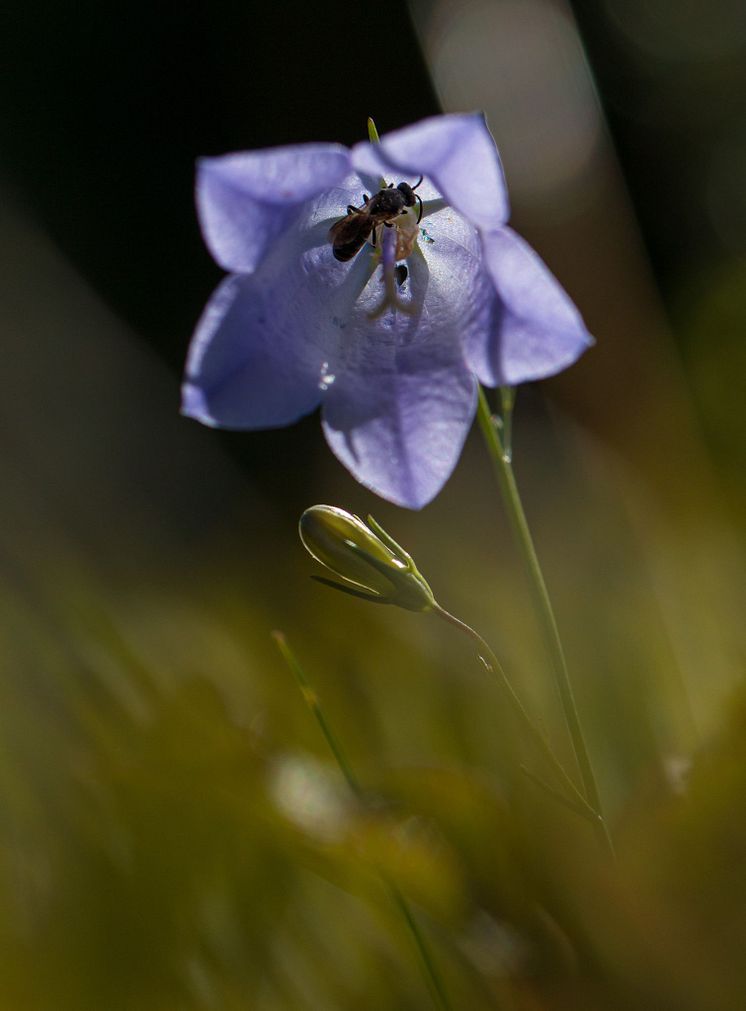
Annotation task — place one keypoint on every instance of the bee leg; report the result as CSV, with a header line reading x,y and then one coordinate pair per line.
x,y
351,209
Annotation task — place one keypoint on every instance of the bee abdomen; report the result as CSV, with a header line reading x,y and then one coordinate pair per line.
x,y
345,252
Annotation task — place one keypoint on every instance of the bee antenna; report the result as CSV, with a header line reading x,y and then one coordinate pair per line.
x,y
419,216
417,184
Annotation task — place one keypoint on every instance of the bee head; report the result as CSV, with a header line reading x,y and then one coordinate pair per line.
x,y
408,193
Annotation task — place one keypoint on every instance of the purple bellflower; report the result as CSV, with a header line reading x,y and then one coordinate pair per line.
x,y
391,355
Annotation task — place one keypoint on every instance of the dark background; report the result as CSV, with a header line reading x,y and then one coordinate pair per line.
x,y
109,105
106,106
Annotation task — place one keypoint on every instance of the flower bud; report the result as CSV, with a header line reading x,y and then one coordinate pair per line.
x,y
370,563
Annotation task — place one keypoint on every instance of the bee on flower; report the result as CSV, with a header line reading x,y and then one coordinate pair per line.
x,y
307,233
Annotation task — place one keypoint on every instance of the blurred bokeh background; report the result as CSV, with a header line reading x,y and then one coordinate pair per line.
x,y
173,832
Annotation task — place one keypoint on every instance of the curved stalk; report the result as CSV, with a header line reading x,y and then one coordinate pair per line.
x,y
486,654
500,452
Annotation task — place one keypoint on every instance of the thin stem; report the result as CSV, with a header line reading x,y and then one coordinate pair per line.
x,y
493,664
432,975
312,701
512,500
435,982
584,811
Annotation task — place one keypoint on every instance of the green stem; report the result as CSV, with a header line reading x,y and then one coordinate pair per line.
x,y
435,982
312,701
432,974
584,811
578,803
512,500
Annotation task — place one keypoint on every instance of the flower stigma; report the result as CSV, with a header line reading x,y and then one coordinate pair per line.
x,y
395,247
389,222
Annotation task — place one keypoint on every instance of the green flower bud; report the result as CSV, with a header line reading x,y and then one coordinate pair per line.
x,y
370,563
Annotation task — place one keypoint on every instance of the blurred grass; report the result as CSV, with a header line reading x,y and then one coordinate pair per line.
x,y
174,834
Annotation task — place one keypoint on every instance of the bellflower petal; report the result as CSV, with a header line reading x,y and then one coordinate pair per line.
x,y
268,342
388,322
235,383
535,330
246,200
457,152
399,425
401,407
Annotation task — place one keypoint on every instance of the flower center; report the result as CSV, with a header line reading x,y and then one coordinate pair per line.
x,y
390,223
396,243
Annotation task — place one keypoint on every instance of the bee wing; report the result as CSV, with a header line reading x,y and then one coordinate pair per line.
x,y
349,233
348,227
